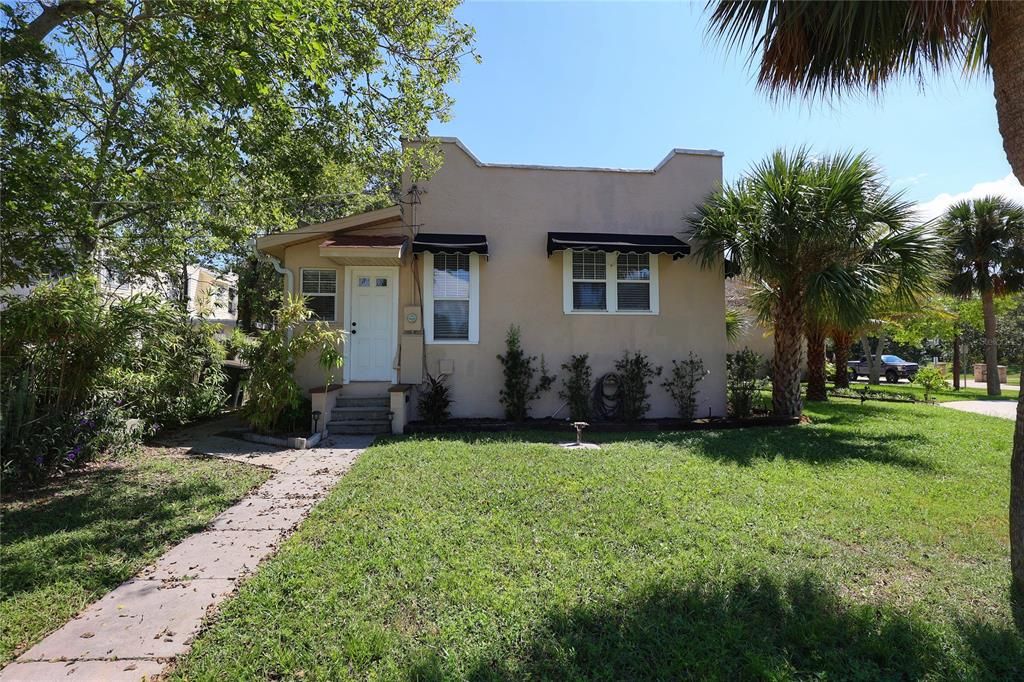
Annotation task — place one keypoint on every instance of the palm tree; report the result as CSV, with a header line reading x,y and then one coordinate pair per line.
x,y
823,232
735,324
822,48
987,240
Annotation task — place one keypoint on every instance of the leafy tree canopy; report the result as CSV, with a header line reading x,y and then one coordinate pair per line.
x,y
145,134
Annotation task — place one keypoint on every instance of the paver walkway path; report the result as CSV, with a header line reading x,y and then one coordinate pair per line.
x,y
136,630
1006,409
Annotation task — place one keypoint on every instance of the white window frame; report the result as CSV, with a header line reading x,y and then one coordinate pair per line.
x,y
474,302
335,294
611,299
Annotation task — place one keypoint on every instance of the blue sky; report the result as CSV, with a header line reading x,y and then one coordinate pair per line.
x,y
619,84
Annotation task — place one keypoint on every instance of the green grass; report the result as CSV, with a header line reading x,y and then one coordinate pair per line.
x,y
66,545
944,396
871,543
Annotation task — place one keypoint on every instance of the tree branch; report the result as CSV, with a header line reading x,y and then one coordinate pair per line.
x,y
50,18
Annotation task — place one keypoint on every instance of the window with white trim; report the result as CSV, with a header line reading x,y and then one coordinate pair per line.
x,y
320,289
451,298
610,282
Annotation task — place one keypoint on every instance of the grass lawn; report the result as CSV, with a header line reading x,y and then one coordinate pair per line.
x,y
68,544
871,543
945,396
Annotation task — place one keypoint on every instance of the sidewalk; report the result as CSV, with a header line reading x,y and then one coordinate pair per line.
x,y
1007,409
140,627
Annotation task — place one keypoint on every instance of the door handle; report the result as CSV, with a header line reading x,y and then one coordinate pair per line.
x,y
353,328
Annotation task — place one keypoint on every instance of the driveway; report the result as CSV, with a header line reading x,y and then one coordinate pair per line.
x,y
1007,409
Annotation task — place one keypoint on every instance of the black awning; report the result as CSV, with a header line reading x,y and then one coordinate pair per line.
x,y
626,243
434,242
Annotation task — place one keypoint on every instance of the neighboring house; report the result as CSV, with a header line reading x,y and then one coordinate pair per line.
x,y
212,296
583,260
754,336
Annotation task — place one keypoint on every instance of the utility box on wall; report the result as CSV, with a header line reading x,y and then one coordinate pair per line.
x,y
411,367
412,319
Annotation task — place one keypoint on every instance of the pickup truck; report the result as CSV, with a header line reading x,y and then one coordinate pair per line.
x,y
894,368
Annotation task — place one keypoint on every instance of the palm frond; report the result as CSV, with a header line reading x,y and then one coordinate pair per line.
x,y
825,48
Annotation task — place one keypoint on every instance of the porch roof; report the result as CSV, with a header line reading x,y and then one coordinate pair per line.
x,y
357,249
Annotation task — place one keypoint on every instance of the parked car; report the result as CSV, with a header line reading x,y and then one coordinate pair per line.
x,y
894,368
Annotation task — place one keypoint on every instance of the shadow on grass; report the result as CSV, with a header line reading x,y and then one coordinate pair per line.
x,y
833,438
78,532
754,628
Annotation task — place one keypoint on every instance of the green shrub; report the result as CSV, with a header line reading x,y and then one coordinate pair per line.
x,y
60,401
682,384
435,400
742,383
272,391
578,384
176,376
636,373
931,380
518,371
238,343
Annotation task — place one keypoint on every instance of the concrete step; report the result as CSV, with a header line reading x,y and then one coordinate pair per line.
x,y
361,413
344,401
361,426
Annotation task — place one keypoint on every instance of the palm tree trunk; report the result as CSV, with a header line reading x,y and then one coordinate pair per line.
x,y
1006,57
874,359
957,369
988,306
789,325
1017,503
841,340
816,362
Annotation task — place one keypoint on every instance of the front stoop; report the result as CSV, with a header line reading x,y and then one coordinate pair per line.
x,y
360,416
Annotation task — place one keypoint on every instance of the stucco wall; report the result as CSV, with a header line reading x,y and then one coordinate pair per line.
x,y
516,208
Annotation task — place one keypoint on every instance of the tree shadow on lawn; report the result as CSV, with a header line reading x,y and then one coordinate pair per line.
x,y
119,515
754,628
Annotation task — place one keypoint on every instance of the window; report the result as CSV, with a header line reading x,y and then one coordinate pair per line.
x,y
589,280
451,299
633,281
320,288
600,282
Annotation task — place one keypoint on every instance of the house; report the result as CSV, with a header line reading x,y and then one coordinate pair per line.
x,y
212,296
583,260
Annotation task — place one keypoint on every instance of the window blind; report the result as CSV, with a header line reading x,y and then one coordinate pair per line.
x,y
451,296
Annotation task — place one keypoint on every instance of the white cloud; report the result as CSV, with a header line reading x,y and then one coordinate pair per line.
x,y
1008,187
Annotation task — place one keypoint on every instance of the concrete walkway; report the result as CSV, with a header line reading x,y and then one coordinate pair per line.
x,y
1007,409
135,631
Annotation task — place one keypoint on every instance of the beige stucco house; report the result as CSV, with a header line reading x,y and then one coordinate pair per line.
x,y
583,260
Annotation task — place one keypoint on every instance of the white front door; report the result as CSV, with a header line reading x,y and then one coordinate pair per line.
x,y
372,317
